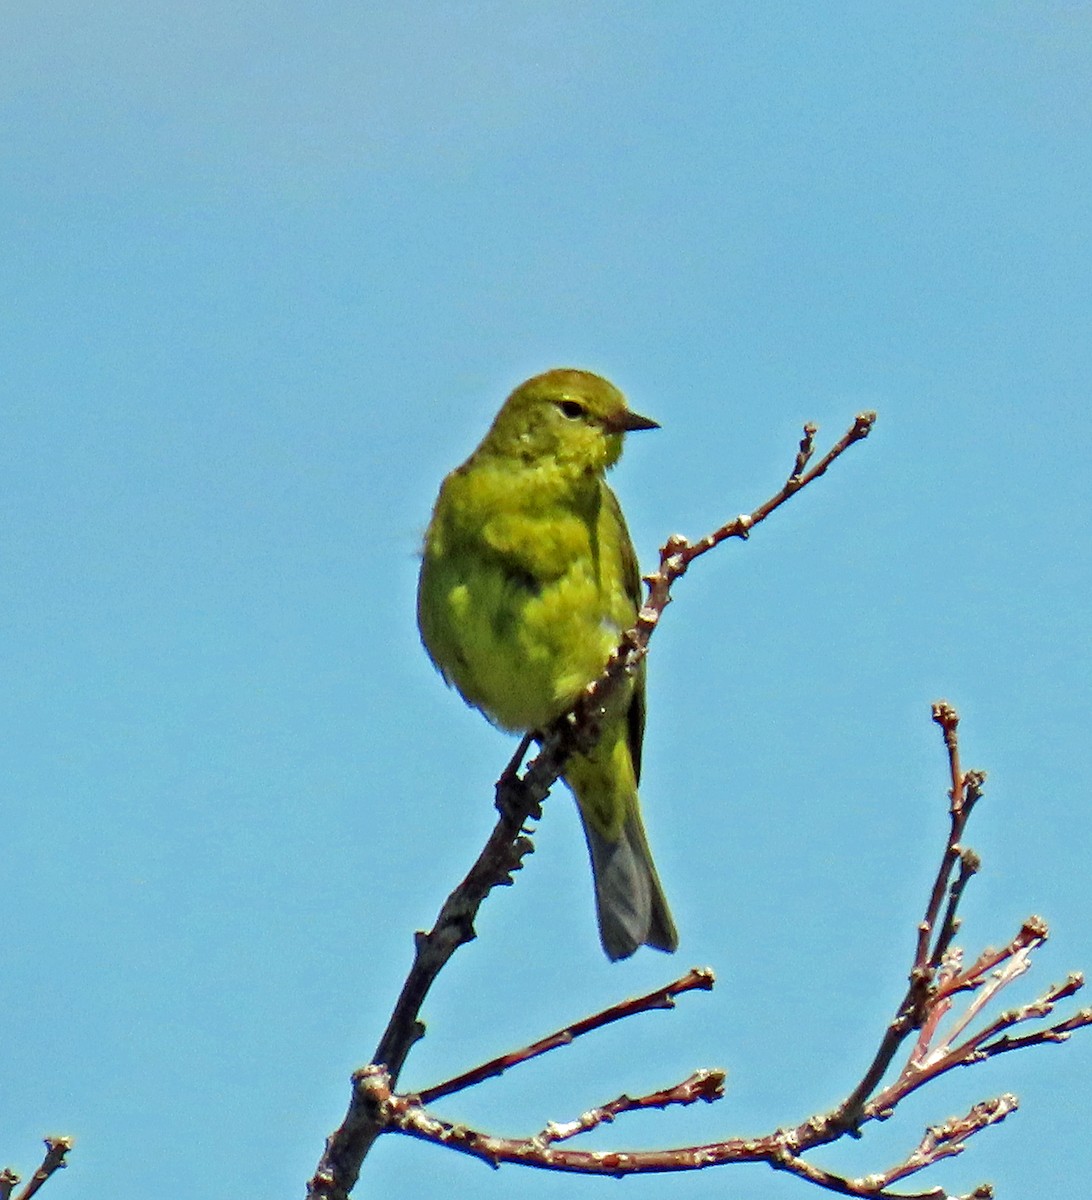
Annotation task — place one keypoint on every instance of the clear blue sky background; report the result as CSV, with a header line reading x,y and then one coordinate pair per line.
x,y
267,270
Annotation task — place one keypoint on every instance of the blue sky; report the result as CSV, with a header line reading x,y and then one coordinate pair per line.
x,y
266,272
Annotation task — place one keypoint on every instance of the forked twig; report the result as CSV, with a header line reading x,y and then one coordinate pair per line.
x,y
57,1148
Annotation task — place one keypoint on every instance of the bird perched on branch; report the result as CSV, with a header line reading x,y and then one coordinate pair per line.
x,y
528,581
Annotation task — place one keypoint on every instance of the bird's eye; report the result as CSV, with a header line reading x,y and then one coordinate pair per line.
x,y
571,409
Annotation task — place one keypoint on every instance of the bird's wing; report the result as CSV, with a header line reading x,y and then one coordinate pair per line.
x,y
631,579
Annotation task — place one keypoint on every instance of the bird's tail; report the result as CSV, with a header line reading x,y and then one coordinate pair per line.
x,y
629,900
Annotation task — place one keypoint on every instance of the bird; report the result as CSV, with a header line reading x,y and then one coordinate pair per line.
x,y
528,580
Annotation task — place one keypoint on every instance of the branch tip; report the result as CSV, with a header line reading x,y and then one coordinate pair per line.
x,y
945,715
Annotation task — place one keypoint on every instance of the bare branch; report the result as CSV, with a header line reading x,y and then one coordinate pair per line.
x,y
938,982
948,1139
777,1150
702,1085
677,553
56,1149
698,978
518,800
913,1012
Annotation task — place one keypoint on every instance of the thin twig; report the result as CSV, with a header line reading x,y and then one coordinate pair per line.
x,y
701,978
1056,1033
707,1085
807,449
56,1149
912,1013
949,1139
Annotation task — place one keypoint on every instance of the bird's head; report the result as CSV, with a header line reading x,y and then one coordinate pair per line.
x,y
571,418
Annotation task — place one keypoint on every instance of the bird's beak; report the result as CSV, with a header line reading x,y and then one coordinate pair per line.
x,y
630,422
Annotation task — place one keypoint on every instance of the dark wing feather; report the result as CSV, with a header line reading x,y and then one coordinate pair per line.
x,y
631,573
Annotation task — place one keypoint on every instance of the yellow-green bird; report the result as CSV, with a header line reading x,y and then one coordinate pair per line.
x,y
528,581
